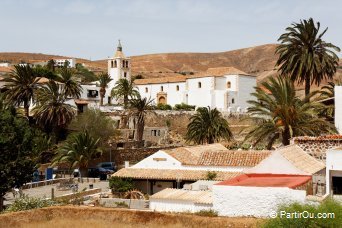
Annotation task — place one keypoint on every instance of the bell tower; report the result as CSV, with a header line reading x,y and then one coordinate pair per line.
x,y
119,66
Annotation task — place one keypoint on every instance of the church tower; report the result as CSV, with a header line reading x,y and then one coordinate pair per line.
x,y
119,66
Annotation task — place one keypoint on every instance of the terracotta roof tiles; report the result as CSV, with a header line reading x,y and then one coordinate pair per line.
x,y
202,197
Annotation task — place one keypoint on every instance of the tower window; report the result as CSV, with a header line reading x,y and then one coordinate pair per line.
x,y
177,87
115,64
161,88
111,64
233,101
229,85
126,64
146,90
199,85
125,74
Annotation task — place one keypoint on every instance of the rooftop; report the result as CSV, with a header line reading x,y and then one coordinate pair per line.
x,y
267,180
216,155
319,138
171,174
173,79
203,197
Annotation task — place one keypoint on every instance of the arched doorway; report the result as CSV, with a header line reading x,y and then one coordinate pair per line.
x,y
162,100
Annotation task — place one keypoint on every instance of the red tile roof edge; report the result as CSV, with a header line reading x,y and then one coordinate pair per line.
x,y
242,177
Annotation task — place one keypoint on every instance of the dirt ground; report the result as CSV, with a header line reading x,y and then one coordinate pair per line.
x,y
72,216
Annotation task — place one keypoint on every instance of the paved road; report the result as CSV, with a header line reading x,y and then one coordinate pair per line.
x,y
45,191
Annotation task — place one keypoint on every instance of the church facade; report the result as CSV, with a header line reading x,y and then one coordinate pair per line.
x,y
224,88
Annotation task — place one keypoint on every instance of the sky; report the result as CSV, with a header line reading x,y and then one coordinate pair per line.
x,y
90,28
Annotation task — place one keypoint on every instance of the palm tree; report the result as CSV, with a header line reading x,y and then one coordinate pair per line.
x,y
207,126
104,79
71,88
51,111
138,108
280,114
22,83
78,150
304,56
51,65
124,88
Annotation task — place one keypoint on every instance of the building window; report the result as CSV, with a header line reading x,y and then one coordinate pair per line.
x,y
125,74
115,64
161,88
126,64
229,85
177,87
233,101
199,85
146,90
92,93
112,64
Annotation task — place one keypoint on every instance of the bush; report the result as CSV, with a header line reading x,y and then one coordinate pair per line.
x,y
211,175
121,204
28,203
207,213
331,207
185,107
163,107
118,184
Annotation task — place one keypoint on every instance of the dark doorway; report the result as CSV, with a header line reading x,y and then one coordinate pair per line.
x,y
337,185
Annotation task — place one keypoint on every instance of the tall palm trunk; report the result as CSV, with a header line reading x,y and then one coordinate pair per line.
x,y
102,94
286,137
84,171
125,101
26,108
140,129
1,203
307,85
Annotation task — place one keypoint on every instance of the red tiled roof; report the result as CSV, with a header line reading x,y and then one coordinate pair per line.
x,y
217,155
318,138
267,180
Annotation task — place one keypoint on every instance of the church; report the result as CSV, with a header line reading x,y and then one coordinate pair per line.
x,y
224,88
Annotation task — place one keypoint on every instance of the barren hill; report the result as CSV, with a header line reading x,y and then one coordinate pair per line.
x,y
259,60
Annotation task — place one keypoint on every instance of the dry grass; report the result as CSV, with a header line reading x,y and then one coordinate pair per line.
x,y
69,216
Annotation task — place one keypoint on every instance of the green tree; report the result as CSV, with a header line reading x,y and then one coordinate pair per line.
x,y
51,110
22,83
280,114
138,108
124,89
85,74
17,159
97,124
71,88
51,65
207,126
328,92
104,80
78,150
304,56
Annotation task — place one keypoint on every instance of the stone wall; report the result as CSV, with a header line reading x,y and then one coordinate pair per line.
x,y
133,155
316,146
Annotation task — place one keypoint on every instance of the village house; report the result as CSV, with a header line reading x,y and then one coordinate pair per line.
x,y
177,167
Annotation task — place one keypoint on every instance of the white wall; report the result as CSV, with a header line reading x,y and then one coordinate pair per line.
x,y
177,206
253,201
333,165
173,96
246,86
338,108
158,160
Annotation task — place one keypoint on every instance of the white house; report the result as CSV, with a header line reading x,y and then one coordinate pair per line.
x,y
338,108
61,62
225,88
334,171
176,167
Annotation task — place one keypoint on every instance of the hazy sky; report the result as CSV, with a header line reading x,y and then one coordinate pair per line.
x,y
91,28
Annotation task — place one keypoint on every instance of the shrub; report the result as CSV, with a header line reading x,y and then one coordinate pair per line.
x,y
163,107
211,175
28,203
121,204
185,107
118,184
207,213
330,206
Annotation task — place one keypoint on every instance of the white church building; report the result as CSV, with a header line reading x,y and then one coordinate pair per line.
x,y
224,88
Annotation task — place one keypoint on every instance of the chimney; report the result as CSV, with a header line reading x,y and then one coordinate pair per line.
x,y
126,164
